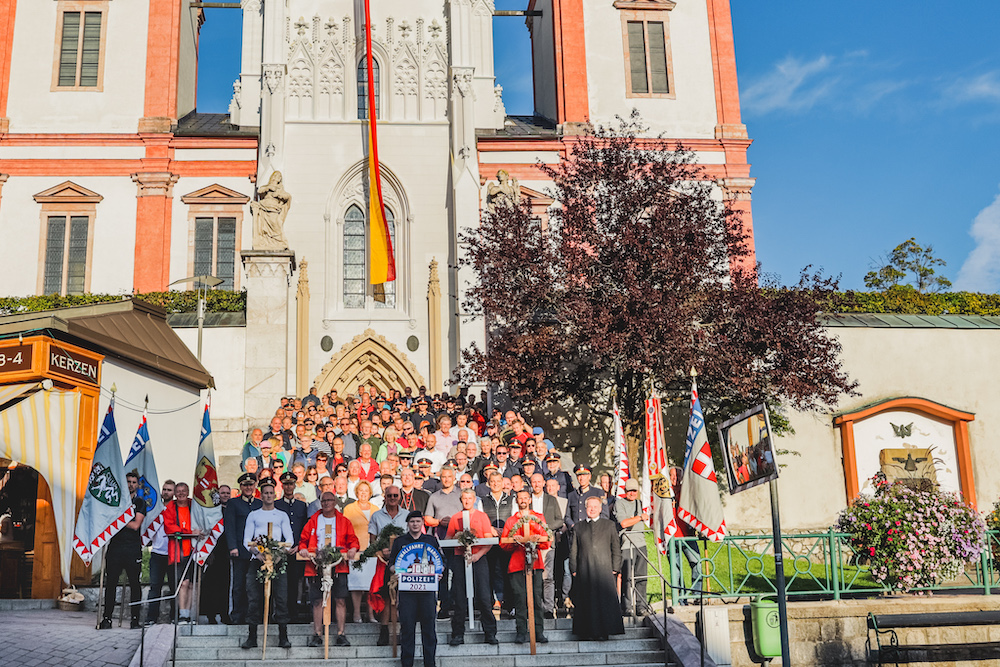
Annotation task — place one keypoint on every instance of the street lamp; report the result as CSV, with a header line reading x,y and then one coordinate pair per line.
x,y
202,284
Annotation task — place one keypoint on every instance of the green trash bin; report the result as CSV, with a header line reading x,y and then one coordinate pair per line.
x,y
766,627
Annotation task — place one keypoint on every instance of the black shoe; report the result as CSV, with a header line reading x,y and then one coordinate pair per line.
x,y
225,620
383,636
492,639
456,640
251,640
541,639
149,622
135,624
211,620
283,637
342,641
520,638
549,614
315,641
105,624
443,614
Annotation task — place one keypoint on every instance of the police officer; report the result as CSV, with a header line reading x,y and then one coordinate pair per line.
x,y
235,520
415,606
576,509
297,516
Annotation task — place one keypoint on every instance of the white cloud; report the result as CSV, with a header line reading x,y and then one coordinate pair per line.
x,y
981,270
793,85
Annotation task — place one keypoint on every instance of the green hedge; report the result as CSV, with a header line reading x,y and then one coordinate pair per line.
x,y
218,301
908,301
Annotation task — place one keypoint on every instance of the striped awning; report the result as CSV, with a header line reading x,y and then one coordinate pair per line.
x,y
12,392
41,430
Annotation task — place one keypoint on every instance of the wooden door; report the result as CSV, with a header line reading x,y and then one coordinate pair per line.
x,y
46,580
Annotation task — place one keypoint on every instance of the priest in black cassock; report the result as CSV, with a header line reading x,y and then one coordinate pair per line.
x,y
595,559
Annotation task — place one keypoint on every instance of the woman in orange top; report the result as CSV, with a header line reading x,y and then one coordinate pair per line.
x,y
177,521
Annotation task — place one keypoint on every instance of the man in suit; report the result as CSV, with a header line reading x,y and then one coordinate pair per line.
x,y
234,518
298,514
548,507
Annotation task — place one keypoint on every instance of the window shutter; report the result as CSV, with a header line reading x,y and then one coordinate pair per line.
x,y
225,262
204,229
55,241
354,258
637,57
91,53
76,266
658,58
69,49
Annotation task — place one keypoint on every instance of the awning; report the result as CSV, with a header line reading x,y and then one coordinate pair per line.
x,y
40,430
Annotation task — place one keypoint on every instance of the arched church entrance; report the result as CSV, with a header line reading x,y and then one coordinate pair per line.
x,y
368,359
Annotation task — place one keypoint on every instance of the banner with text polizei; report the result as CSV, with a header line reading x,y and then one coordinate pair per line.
x,y
418,567
206,510
140,461
107,505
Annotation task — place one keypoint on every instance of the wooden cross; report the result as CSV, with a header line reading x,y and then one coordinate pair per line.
x,y
327,541
480,541
268,564
528,571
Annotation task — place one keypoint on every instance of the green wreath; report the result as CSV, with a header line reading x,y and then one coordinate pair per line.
x,y
383,541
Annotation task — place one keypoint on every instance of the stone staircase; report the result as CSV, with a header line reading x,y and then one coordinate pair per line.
x,y
219,646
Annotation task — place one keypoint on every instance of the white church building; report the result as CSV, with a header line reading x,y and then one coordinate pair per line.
x,y
113,182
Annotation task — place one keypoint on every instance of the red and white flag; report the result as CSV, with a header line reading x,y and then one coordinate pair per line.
x,y
700,505
206,510
656,500
624,474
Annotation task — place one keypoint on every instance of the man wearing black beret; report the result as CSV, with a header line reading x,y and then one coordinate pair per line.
x,y
415,606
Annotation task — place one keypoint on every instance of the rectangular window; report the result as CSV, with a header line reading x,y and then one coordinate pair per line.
x,y
647,56
80,50
215,249
66,255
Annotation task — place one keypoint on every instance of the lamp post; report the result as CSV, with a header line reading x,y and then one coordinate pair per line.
x,y
202,285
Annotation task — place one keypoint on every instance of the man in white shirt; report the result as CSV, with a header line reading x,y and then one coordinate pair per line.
x,y
260,523
437,455
158,560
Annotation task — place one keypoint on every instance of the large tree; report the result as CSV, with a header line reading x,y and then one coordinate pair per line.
x,y
641,274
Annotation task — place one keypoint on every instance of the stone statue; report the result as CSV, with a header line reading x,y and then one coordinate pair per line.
x,y
506,190
269,212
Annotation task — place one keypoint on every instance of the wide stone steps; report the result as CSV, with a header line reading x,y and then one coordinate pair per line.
x,y
218,646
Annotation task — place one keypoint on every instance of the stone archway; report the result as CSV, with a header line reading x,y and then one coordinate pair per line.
x,y
368,359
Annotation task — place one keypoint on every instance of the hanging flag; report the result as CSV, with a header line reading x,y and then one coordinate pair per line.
x,y
382,260
206,510
140,461
700,505
656,499
107,505
621,452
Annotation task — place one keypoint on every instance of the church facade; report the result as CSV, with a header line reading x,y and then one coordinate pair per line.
x,y
113,181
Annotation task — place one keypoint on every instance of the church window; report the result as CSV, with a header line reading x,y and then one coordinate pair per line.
x,y
357,291
215,249
363,89
646,35
66,241
81,35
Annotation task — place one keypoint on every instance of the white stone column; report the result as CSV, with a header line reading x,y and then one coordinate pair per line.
x,y
272,113
269,275
248,95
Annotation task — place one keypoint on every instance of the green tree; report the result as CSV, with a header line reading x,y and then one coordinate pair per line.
x,y
909,264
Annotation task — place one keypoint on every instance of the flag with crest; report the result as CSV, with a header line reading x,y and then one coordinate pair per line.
x,y
107,505
700,505
140,461
206,510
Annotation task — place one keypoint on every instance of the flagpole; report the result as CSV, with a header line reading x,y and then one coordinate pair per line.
x,y
779,568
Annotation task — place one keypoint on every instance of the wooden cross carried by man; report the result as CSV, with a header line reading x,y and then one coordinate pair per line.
x,y
268,567
480,541
530,552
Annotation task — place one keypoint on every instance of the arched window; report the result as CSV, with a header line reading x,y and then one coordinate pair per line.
x,y
363,89
356,287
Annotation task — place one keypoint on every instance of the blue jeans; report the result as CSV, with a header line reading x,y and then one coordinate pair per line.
x,y
158,569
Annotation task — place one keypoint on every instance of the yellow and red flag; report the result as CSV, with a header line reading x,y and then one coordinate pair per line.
x,y
382,260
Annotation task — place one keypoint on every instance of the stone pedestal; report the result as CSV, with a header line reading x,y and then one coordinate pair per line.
x,y
269,275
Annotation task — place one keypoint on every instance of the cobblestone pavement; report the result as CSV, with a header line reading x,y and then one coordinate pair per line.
x,y
54,638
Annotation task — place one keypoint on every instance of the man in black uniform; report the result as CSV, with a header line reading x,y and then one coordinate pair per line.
x,y
125,553
234,518
297,516
414,606
576,509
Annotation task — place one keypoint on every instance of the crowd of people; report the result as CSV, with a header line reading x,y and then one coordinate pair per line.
x,y
344,468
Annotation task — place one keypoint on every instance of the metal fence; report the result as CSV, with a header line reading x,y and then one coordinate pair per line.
x,y
817,565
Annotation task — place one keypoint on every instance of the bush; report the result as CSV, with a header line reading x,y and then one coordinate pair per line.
x,y
913,538
217,301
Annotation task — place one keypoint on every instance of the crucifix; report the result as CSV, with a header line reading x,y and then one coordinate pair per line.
x,y
268,567
480,541
530,553
327,589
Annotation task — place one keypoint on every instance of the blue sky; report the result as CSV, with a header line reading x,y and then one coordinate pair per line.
x,y
872,122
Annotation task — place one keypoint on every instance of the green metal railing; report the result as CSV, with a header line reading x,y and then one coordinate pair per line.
x,y
817,565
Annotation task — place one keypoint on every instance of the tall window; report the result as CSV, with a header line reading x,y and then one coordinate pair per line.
x,y
80,50
215,249
66,241
363,89
648,60
356,287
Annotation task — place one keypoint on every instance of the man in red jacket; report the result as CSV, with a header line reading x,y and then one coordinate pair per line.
x,y
342,535
518,577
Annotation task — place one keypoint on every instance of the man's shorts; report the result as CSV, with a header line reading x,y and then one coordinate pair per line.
x,y
338,592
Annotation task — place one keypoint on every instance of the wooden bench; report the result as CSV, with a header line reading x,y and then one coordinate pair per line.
x,y
892,652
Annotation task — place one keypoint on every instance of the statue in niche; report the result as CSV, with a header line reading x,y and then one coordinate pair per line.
x,y
506,191
269,212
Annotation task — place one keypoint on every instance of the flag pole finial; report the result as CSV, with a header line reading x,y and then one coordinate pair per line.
x,y
146,407
694,373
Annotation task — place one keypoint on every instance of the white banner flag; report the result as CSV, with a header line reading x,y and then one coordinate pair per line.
x,y
621,452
